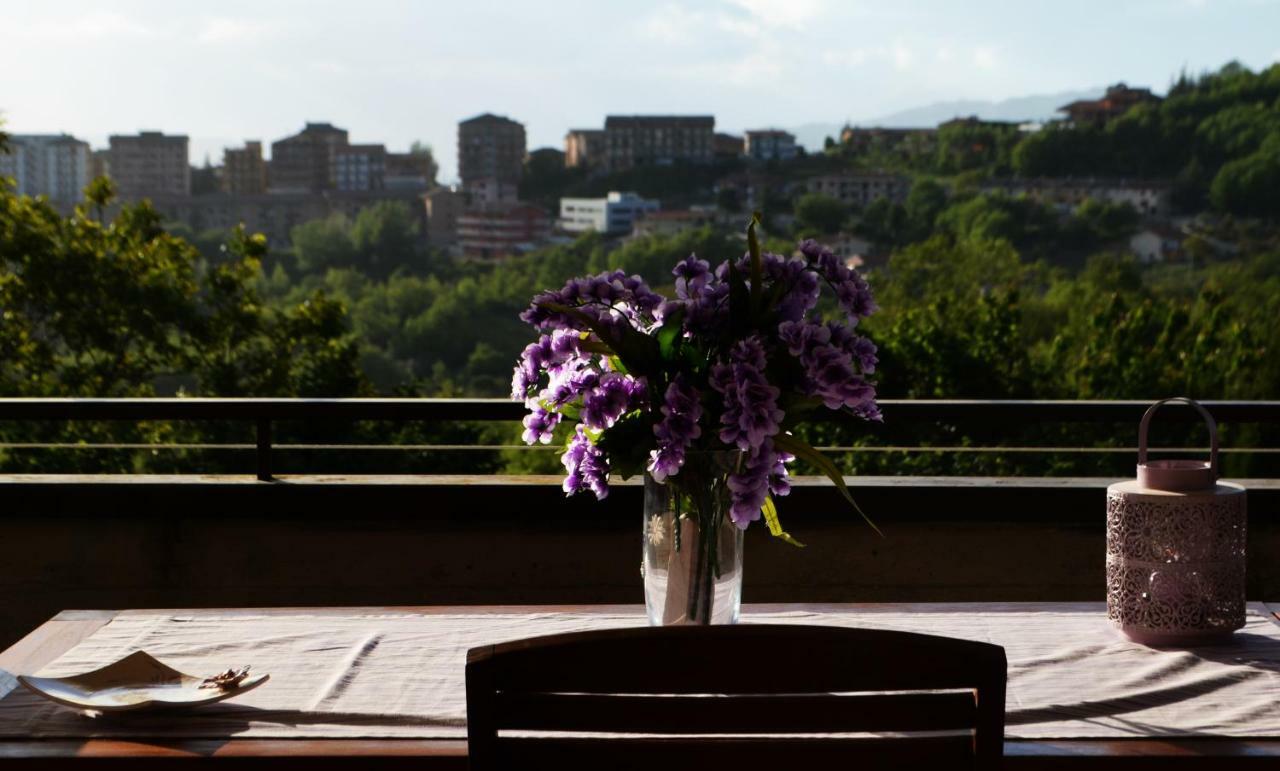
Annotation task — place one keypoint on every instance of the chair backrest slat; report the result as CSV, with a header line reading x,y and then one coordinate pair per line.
x,y
932,752
736,714
767,680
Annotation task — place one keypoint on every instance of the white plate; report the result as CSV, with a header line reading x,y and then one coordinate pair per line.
x,y
135,682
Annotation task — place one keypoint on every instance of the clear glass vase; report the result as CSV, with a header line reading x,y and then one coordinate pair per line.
x,y
692,553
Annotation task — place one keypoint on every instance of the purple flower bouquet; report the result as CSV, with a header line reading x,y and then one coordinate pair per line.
x,y
698,392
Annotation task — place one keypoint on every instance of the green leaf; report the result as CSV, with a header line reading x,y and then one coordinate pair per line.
x,y
670,335
775,525
637,350
753,247
800,449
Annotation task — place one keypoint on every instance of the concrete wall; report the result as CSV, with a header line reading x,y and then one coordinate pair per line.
x,y
139,542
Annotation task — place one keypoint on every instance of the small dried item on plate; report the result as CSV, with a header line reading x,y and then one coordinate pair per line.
x,y
226,680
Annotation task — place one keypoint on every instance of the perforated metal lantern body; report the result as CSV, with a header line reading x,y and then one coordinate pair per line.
x,y
1176,548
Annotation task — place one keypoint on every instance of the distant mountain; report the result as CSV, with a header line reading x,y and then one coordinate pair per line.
x,y
1039,107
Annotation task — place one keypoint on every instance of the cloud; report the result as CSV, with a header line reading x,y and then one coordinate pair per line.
x,y
93,26
850,58
673,24
225,30
782,13
984,58
902,55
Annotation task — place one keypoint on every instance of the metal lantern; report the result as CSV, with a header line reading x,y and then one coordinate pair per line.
x,y
1176,547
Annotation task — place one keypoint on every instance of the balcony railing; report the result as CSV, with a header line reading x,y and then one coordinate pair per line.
x,y
276,529
901,433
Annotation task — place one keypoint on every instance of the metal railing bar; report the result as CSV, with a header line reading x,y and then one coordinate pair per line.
x,y
543,448
943,410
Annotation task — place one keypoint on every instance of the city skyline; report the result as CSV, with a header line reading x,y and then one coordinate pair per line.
x,y
395,73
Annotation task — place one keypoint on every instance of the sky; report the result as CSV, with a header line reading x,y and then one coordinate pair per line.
x,y
395,72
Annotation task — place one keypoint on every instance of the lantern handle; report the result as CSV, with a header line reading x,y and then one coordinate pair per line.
x,y
1208,419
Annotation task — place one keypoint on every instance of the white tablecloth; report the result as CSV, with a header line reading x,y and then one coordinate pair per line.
x,y
397,675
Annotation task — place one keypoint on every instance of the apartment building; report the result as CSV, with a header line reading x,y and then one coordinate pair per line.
x,y
860,189
769,145
615,214
584,148
304,162
494,230
643,140
490,147
244,171
53,165
359,167
150,164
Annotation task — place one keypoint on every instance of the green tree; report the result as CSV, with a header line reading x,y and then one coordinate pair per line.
x,y
1250,185
820,214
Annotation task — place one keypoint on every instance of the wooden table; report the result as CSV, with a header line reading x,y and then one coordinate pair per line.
x,y
61,633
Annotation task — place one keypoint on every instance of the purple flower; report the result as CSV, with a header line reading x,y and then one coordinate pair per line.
x,y
609,298
750,404
835,361
750,486
681,411
799,286
550,353
851,289
586,466
539,425
610,396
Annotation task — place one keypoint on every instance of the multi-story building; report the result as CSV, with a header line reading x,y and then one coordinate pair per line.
x,y
244,172
615,214
770,145
100,163
359,167
728,146
860,189
491,190
304,162
583,148
409,171
443,206
644,140
1115,102
275,214
53,165
150,164
495,230
1149,197
490,146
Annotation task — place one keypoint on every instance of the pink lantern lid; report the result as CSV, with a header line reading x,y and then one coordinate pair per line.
x,y
1178,475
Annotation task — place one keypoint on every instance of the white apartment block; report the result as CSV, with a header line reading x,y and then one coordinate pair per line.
x,y
52,165
614,214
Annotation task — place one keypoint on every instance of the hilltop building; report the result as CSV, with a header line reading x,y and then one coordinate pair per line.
x,y
490,147
860,189
615,214
583,148
359,167
493,230
149,164
1150,197
770,145
645,140
304,162
244,171
53,165
1116,102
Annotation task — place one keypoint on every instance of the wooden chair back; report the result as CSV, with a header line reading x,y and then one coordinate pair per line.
x,y
749,695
